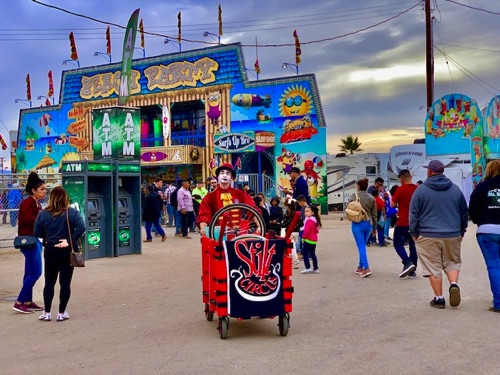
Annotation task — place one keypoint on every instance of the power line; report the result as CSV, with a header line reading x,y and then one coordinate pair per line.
x,y
468,73
214,43
474,8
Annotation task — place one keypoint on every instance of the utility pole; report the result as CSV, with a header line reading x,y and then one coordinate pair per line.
x,y
429,54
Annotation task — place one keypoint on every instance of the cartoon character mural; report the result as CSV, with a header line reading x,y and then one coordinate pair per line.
x,y
312,177
298,130
214,107
492,129
296,100
449,124
252,100
292,120
44,122
287,159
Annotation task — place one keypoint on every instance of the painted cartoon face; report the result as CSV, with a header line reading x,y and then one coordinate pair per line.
x,y
214,99
243,100
295,101
225,177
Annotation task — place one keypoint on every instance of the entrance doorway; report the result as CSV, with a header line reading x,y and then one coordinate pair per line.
x,y
257,170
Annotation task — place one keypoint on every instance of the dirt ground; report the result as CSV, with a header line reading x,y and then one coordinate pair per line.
x,y
143,314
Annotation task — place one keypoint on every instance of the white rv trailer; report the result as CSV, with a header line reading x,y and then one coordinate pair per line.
x,y
344,170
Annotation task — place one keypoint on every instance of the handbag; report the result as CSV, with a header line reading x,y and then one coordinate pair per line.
x,y
76,259
25,242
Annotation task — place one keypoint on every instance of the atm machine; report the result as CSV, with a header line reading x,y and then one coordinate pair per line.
x,y
128,225
90,187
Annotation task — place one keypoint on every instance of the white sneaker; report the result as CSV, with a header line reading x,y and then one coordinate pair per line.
x,y
45,317
316,270
307,270
62,317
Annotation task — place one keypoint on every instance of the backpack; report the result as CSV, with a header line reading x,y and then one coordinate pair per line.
x,y
173,198
355,212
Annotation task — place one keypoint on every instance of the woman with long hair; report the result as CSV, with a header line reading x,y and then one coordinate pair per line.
x,y
362,230
52,225
484,209
28,211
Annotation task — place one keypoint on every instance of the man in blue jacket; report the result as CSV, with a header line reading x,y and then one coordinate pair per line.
x,y
301,187
438,221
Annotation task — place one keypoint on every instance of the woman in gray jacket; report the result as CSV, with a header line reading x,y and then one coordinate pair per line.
x,y
362,230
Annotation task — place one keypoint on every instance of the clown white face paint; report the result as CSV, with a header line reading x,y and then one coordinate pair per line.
x,y
225,178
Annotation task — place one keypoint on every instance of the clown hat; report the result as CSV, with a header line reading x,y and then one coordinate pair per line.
x,y
227,167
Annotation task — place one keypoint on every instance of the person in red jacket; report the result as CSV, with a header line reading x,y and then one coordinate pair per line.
x,y
223,195
28,211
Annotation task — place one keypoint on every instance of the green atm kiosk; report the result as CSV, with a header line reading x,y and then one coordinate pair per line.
x,y
90,188
127,188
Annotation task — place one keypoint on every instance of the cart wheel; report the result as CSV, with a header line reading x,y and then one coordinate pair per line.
x,y
284,324
251,220
208,314
223,327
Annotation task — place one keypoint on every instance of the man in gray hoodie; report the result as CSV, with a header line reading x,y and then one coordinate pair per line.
x,y
438,221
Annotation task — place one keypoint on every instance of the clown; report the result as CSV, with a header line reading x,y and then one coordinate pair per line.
x,y
223,195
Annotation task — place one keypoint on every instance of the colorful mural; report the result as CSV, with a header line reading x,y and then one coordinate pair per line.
x,y
449,125
492,129
49,136
287,110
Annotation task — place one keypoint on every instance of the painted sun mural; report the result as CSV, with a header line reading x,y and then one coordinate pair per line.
x,y
295,101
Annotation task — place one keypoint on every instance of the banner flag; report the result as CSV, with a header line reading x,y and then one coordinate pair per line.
x,y
141,31
220,20
47,102
28,87
72,45
298,52
50,93
108,41
128,53
257,67
179,33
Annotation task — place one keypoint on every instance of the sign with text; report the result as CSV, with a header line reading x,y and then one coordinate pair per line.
x,y
234,142
116,133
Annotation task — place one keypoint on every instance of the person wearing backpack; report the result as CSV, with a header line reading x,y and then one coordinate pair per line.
x,y
366,225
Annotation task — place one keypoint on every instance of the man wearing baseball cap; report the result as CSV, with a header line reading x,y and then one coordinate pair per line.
x,y
438,221
301,187
223,195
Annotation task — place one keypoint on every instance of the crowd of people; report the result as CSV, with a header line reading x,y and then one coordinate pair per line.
x,y
430,218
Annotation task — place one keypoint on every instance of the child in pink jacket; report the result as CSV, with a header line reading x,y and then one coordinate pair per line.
x,y
312,223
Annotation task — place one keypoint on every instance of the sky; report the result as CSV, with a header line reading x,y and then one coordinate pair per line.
x,y
368,61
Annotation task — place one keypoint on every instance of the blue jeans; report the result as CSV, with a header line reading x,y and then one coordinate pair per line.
x,y
156,224
32,272
361,232
387,226
309,251
178,222
171,214
401,234
490,247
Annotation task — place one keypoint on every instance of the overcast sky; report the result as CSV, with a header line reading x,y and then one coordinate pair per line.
x,y
372,83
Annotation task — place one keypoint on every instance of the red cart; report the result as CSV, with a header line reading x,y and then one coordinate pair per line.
x,y
245,274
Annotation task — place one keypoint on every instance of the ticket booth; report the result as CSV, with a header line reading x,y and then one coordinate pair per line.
x,y
127,185
90,188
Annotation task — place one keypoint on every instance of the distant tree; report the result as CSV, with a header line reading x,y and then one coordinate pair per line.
x,y
350,144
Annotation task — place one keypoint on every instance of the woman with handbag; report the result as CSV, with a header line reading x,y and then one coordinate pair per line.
x,y
28,211
60,226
